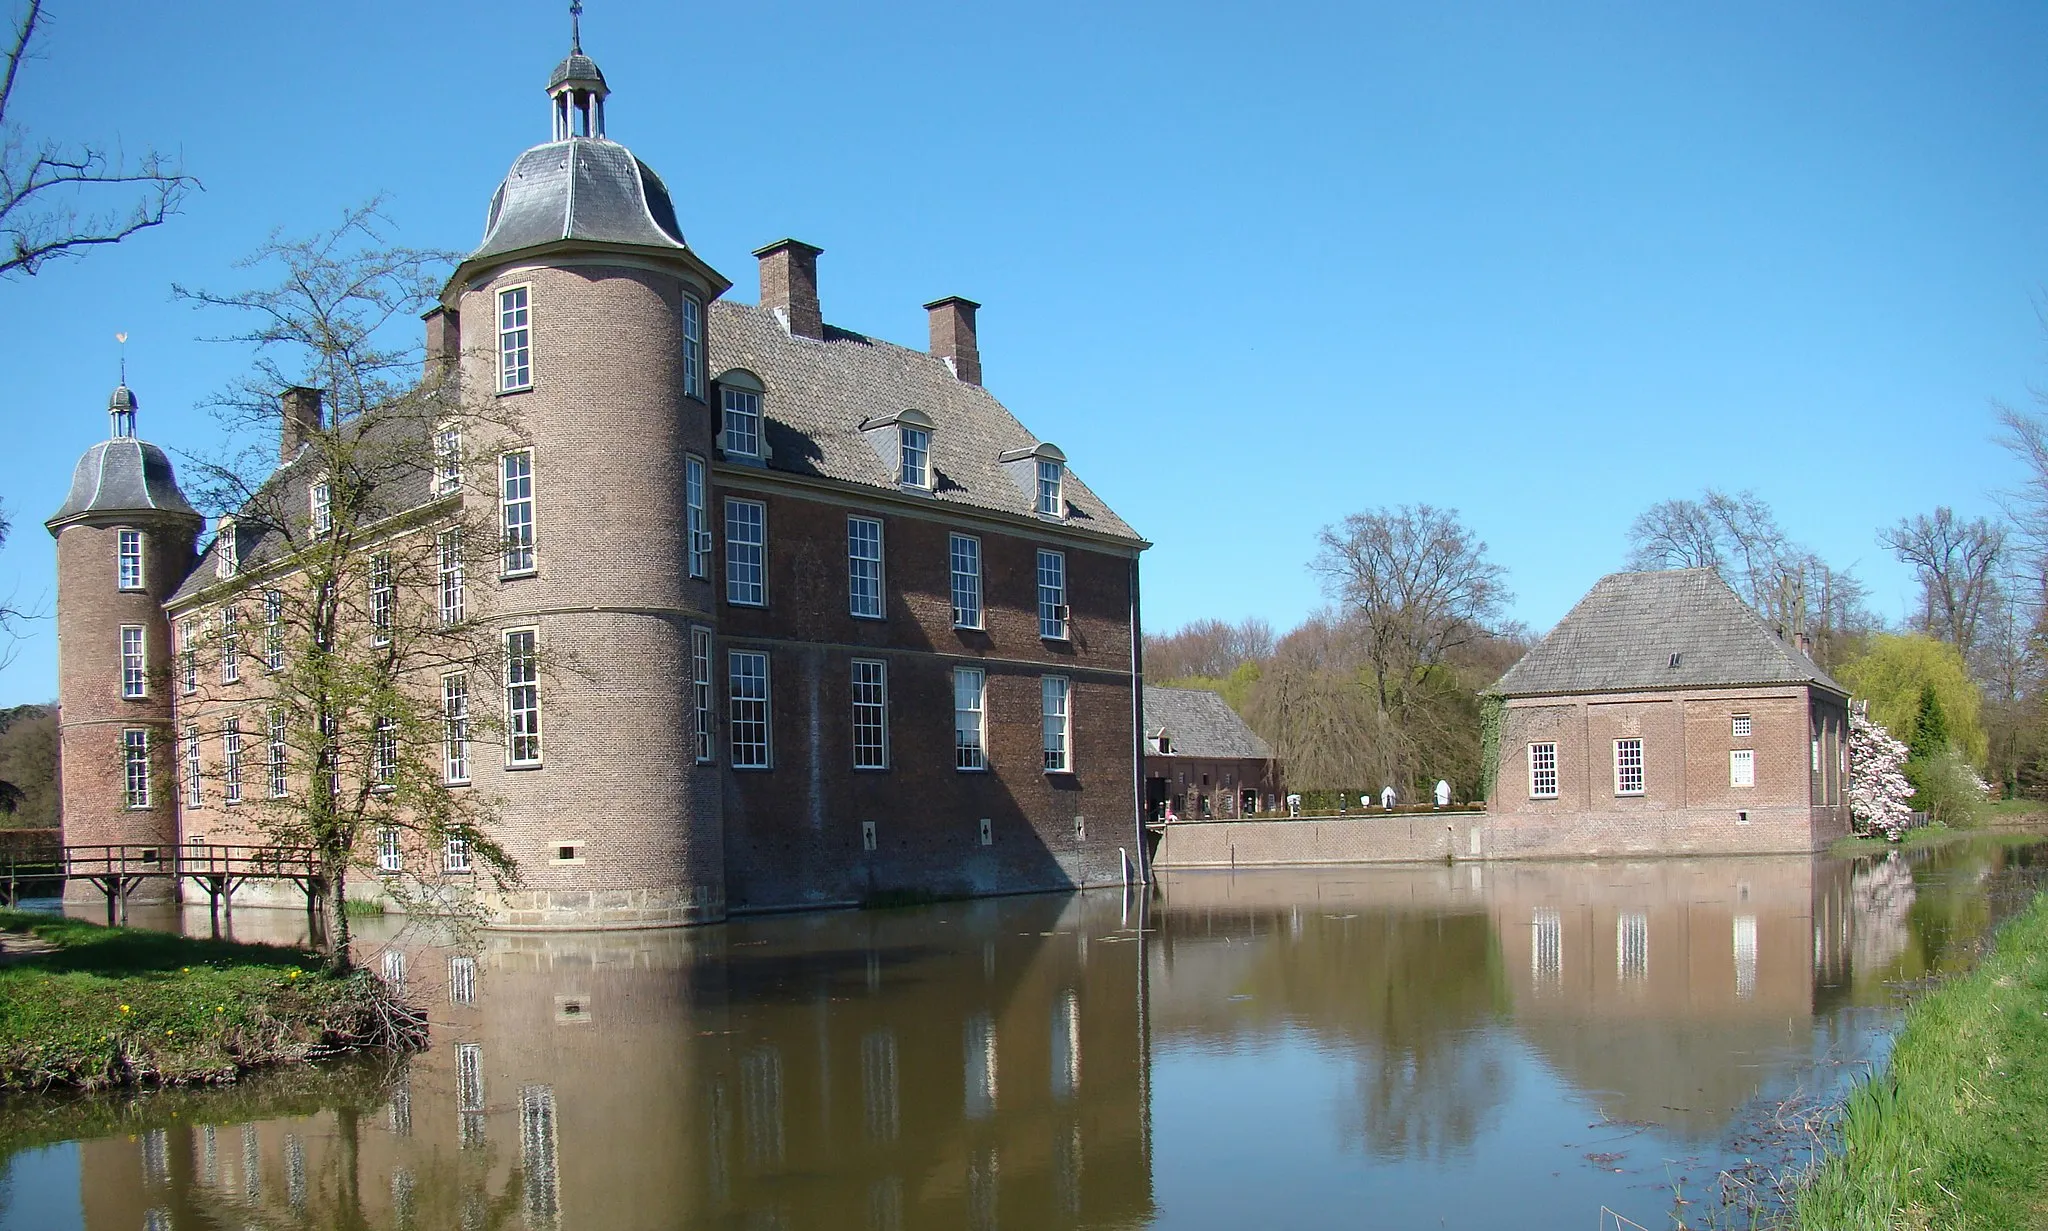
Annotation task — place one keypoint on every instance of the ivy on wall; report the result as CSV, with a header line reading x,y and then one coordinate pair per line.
x,y
1492,708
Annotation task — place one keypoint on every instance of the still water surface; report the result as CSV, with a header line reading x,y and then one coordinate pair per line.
x,y
1475,1046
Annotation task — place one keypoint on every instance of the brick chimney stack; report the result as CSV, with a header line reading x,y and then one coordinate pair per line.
x,y
953,340
444,345
301,419
789,286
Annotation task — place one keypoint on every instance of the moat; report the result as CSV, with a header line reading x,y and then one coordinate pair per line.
x,y
1457,1046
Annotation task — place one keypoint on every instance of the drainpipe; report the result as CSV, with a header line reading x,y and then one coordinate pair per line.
x,y
1144,863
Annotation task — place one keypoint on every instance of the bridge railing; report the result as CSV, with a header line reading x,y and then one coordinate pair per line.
x,y
190,859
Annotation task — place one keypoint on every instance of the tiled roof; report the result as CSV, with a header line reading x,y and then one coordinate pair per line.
x,y
1199,723
123,475
1623,635
583,188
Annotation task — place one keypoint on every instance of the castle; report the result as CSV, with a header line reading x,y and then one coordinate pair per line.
x,y
845,627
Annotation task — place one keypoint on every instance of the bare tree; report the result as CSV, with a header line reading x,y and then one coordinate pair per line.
x,y
1957,564
44,182
1674,534
1209,649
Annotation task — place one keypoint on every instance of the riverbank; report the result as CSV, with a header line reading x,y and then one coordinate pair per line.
x,y
93,1008
1954,1132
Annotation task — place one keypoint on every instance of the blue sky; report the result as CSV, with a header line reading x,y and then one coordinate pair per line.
x,y
1253,267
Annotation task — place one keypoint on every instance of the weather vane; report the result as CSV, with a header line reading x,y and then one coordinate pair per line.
x,y
122,338
575,25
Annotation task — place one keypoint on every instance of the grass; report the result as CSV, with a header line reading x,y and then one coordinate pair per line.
x,y
111,1007
1931,836
1954,1132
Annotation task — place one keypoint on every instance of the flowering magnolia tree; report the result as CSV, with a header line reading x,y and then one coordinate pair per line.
x,y
1879,794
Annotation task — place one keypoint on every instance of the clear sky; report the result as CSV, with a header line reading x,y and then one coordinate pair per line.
x,y
1252,266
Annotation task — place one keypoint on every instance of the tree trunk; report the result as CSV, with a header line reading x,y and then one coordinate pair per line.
x,y
338,960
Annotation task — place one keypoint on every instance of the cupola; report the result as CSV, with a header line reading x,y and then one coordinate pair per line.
x,y
122,474
576,89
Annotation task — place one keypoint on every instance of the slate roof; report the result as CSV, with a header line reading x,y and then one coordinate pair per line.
x,y
575,67
1622,635
123,475
1199,723
584,188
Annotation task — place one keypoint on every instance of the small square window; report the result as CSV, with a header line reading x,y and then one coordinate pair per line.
x,y
1739,726
568,852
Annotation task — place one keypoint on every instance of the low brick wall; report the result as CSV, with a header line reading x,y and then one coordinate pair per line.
x,y
1411,838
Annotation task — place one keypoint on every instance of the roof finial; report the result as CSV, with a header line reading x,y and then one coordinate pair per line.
x,y
122,338
575,26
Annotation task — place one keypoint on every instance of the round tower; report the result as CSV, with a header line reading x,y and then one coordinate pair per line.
x,y
125,539
581,326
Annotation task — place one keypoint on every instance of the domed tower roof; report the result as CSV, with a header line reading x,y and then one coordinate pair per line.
x,y
123,474
576,68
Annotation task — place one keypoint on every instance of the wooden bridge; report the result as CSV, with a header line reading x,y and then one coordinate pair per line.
x,y
116,870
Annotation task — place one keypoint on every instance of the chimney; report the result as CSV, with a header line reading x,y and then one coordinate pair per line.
x,y
444,346
953,339
301,419
789,286
1805,644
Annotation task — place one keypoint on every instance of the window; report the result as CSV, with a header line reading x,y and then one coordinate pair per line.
x,y
917,457
970,730
1628,767
455,858
1745,956
273,630
278,751
230,645
322,499
227,554
746,552
864,567
390,856
231,758
447,460
1632,946
700,684
748,689
129,574
1816,756
462,970
381,595
515,340
693,348
966,552
515,502
870,714
1051,482
452,605
1546,954
1740,726
742,423
1742,767
455,727
195,789
135,663
696,522
188,657
1052,595
469,1077
135,749
384,752
1543,771
1057,722
522,697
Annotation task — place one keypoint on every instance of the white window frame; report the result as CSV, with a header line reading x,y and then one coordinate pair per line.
x,y
447,459
455,728
1052,488
914,449
522,698
273,630
279,754
515,337
461,969
966,582
129,571
866,597
195,770
970,720
517,514
740,419
320,506
134,662
1741,767
1628,760
870,688
383,595
693,348
384,753
1056,722
135,761
743,554
390,854
227,554
230,645
231,759
1739,726
455,859
748,710
697,515
454,602
1055,621
700,686
1632,946
1542,761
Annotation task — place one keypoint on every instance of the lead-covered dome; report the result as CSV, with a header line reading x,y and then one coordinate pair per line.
x,y
123,475
583,188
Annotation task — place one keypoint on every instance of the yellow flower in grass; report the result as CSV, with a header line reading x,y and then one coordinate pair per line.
x,y
124,1008
293,975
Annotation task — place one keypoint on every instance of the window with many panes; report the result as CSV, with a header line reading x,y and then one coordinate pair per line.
x,y
1057,723
742,423
273,630
453,604
135,751
916,445
965,551
746,553
279,752
231,758
515,339
864,567
1543,771
1052,595
747,687
447,459
700,686
390,855
195,787
1742,767
696,517
1051,484
230,645
693,348
455,858
1739,726
128,575
455,727
134,662
522,697
384,752
321,507
1632,946
227,551
515,511
382,594
970,718
870,714
1628,767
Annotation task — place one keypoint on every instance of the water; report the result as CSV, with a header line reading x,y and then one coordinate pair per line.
x,y
1473,1046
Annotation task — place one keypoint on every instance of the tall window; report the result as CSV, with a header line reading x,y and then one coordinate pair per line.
x,y
696,521
135,750
870,714
1057,723
515,340
864,566
273,630
522,697
1052,595
1546,954
381,595
1628,767
917,457
322,507
965,550
195,789
748,689
455,858
188,656
1742,767
700,684
384,752
452,604
230,645
1051,498
227,553
742,423
970,726
455,726
134,662
1543,771
1632,946
746,552
278,753
390,855
693,348
515,505
129,574
447,459
231,758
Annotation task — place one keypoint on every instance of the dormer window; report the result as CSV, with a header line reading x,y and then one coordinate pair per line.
x,y
902,441
1040,473
742,432
227,556
322,500
447,459
916,445
1052,501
